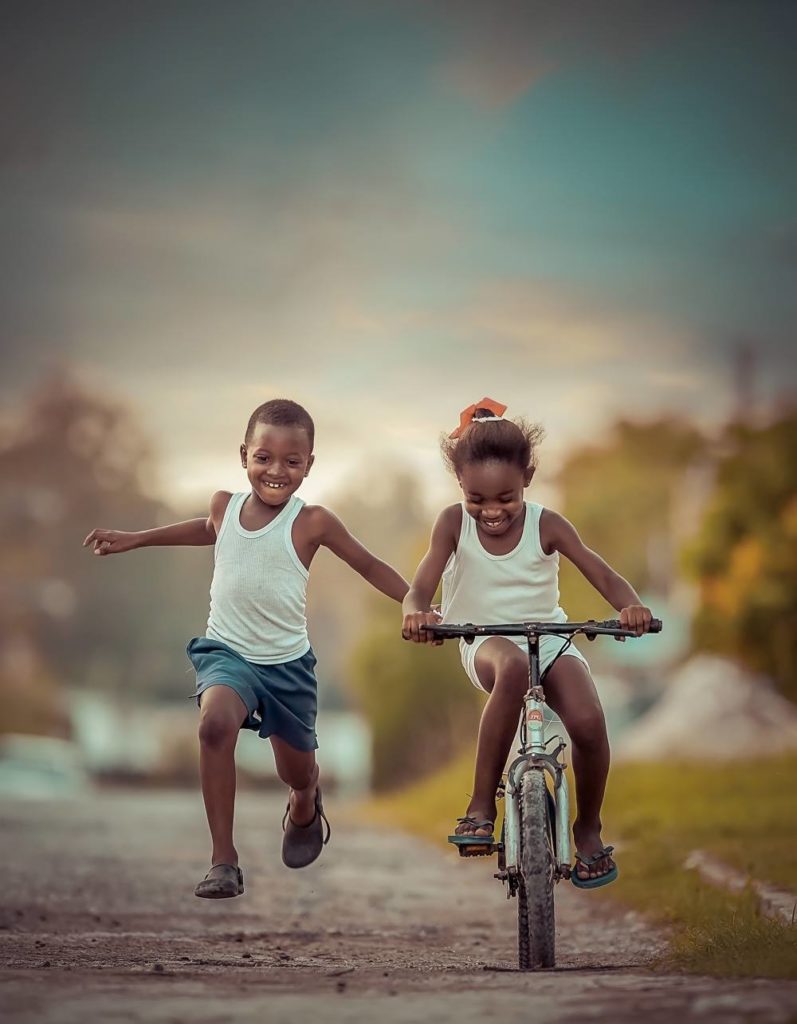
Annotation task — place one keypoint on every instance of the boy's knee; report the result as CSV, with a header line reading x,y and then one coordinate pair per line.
x,y
296,778
217,732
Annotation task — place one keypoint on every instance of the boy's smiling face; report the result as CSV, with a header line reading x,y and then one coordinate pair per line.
x,y
276,461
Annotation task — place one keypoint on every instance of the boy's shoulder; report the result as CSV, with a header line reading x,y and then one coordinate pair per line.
x,y
219,501
316,518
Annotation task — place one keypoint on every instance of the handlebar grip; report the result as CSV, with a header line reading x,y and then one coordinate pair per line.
x,y
654,626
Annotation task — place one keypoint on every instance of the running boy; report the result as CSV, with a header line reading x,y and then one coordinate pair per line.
x,y
254,666
498,557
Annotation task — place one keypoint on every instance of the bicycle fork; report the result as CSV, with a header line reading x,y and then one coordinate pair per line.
x,y
533,756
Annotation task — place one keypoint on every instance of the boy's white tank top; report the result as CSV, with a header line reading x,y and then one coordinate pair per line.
x,y
520,586
259,587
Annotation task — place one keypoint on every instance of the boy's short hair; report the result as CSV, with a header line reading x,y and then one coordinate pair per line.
x,y
281,412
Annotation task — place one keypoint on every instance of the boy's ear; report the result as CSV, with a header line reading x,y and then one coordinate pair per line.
x,y
243,455
528,475
310,462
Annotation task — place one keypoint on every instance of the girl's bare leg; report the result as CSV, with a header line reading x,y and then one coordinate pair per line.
x,y
502,669
221,712
570,692
298,769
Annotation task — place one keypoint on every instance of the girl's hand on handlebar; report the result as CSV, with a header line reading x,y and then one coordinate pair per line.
x,y
636,617
412,627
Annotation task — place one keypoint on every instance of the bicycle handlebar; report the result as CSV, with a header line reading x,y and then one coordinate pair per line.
x,y
590,629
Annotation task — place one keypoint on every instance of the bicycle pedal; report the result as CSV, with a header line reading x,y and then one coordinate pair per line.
x,y
483,850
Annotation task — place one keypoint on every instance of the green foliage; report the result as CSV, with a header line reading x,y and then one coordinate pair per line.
x,y
623,496
745,555
384,511
417,699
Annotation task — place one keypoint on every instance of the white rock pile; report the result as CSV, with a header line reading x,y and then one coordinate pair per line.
x,y
712,708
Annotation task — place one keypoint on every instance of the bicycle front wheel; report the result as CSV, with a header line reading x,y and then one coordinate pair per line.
x,y
536,923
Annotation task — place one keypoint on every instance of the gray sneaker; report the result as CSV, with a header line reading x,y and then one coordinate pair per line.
x,y
221,882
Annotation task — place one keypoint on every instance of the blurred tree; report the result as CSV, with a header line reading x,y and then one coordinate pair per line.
x,y
385,512
70,460
745,555
418,701
624,497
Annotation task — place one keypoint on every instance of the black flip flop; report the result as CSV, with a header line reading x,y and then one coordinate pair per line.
x,y
301,844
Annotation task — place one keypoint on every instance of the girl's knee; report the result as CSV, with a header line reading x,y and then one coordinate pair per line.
x,y
511,680
587,729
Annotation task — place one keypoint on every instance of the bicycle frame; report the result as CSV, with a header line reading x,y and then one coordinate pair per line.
x,y
530,857
533,756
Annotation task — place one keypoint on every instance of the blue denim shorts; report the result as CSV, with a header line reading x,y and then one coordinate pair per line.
x,y
281,700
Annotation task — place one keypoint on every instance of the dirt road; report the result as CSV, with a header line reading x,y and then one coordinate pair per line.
x,y
99,923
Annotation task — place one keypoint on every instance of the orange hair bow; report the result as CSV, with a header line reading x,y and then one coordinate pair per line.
x,y
466,416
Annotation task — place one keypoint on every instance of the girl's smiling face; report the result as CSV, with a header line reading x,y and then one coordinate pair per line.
x,y
276,461
493,493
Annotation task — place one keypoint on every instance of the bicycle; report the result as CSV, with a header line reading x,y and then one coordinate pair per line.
x,y
534,845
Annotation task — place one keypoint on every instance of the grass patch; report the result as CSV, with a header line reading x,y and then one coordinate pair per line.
x,y
744,813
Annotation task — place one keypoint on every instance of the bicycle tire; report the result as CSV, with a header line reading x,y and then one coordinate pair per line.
x,y
536,919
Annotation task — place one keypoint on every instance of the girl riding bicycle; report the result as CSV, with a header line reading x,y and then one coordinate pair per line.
x,y
498,557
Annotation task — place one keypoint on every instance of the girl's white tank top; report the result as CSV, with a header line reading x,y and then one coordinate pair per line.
x,y
520,586
259,587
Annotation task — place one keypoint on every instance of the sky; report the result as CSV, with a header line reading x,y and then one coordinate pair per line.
x,y
386,210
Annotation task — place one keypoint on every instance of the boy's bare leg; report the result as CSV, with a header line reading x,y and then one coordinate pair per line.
x,y
220,716
298,769
502,669
570,692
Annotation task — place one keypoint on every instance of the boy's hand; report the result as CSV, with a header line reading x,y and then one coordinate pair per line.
x,y
111,542
636,617
411,628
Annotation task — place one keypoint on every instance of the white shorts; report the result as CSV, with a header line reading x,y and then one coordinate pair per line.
x,y
550,646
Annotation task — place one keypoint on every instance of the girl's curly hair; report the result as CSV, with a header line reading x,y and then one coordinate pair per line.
x,y
513,441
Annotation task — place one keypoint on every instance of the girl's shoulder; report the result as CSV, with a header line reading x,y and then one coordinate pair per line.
x,y
450,516
448,526
551,524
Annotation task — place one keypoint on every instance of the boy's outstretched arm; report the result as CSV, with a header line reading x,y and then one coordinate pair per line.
x,y
330,532
417,604
558,534
191,532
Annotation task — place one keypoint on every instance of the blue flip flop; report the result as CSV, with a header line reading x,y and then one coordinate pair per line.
x,y
594,883
470,839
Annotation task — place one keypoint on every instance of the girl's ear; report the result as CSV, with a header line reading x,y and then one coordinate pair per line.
x,y
528,475
310,462
243,455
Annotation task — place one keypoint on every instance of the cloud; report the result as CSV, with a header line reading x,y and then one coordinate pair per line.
x,y
499,50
